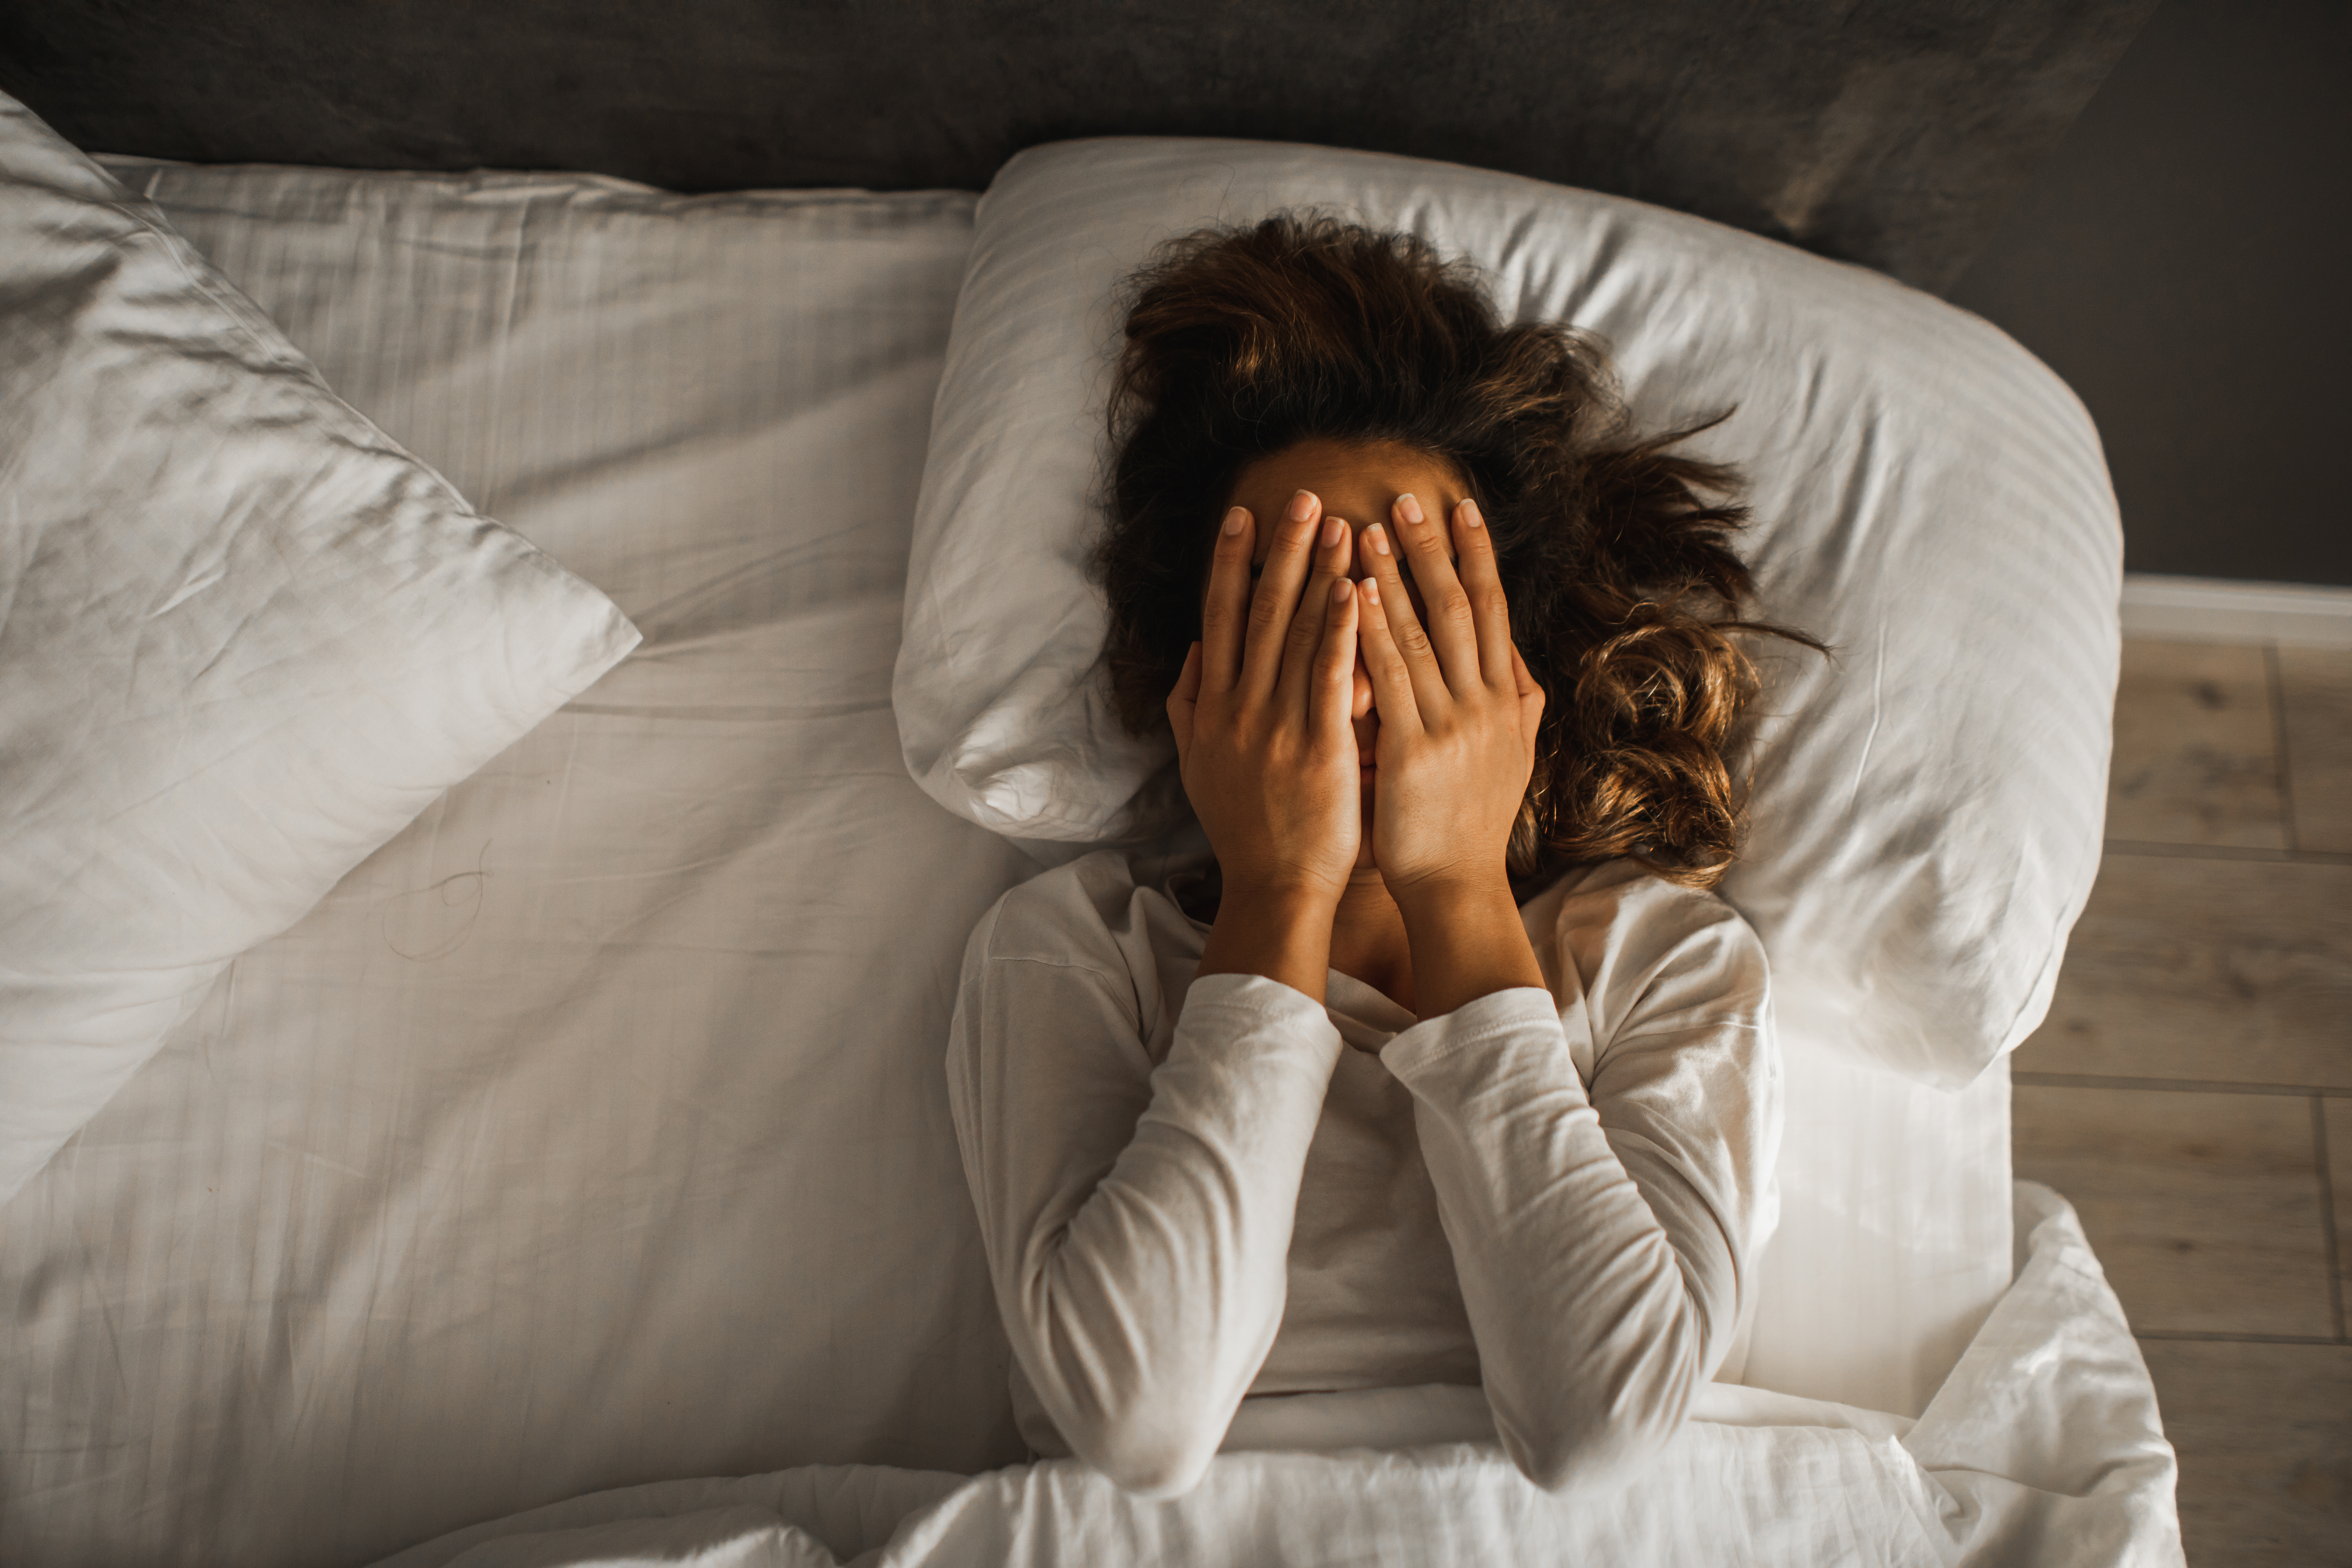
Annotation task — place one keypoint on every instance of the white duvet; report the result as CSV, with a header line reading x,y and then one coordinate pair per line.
x,y
593,1133
2042,1447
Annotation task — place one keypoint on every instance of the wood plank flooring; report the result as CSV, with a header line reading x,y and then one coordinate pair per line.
x,y
2191,1089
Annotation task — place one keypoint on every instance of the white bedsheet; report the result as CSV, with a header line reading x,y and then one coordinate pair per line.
x,y
1894,1233
594,1132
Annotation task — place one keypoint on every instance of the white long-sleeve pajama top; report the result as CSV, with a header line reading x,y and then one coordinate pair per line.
x,y
1197,1192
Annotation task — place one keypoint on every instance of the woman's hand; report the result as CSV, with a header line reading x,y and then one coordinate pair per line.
x,y
1261,711
1458,712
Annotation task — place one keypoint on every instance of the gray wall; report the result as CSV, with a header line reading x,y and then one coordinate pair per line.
x,y
2181,259
2184,260
1891,133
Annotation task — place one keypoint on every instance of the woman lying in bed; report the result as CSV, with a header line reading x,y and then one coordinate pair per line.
x,y
1422,614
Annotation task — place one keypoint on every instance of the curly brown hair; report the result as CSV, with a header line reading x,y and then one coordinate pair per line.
x,y
1615,551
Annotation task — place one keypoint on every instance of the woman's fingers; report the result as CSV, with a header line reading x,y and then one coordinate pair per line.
x,y
1225,613
1453,628
1523,679
1276,599
1295,690
1392,688
1530,696
1183,701
1490,608
1331,702
1405,637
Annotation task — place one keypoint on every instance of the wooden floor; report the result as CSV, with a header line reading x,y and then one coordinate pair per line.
x,y
2191,1091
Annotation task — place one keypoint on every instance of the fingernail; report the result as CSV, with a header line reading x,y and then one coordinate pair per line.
x,y
1409,506
1302,507
1234,522
1472,516
1379,538
1341,590
1332,527
1372,589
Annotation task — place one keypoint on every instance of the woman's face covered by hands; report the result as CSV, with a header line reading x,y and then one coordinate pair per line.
x,y
1358,485
1430,707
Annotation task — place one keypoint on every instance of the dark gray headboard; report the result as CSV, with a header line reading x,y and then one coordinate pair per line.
x,y
1887,131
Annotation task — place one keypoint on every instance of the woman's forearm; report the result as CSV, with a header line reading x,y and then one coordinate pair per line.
x,y
1141,1292
1602,1227
1591,1338
1282,931
1467,941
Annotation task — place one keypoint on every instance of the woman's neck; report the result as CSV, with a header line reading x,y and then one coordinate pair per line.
x,y
1368,940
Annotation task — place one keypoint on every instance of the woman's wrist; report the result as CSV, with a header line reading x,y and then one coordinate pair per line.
x,y
1280,928
1467,940
1442,896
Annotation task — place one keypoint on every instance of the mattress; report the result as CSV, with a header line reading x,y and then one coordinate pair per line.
x,y
593,1133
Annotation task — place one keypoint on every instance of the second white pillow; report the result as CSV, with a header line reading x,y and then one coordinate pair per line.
x,y
245,639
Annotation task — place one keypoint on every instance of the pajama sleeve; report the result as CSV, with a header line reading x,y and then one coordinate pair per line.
x,y
1137,1221
1600,1235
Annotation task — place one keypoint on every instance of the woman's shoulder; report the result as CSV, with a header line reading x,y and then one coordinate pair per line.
x,y
1091,912
1617,927
1626,890
1096,923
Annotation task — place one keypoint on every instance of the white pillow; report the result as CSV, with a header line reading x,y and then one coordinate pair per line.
x,y
1930,499
245,639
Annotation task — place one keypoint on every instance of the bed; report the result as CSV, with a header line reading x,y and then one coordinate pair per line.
x,y
574,1183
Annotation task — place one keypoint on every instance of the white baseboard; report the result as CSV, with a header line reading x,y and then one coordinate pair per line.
x,y
2218,609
